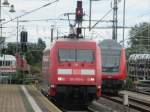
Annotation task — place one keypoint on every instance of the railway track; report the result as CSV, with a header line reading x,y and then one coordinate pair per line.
x,y
142,92
133,103
140,97
71,108
64,108
94,107
98,107
85,110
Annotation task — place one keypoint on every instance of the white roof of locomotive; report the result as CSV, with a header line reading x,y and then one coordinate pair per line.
x,y
8,58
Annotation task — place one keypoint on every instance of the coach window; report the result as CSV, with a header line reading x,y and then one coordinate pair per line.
x,y
0,63
13,63
10,62
6,63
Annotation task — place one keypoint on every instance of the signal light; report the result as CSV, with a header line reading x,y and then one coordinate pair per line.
x,y
79,11
24,37
24,40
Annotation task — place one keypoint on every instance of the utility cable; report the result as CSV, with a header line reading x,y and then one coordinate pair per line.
x,y
34,10
101,18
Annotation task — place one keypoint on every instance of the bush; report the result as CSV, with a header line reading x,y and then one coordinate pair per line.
x,y
128,83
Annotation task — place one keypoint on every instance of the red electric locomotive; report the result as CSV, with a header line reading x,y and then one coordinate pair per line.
x,y
113,66
72,70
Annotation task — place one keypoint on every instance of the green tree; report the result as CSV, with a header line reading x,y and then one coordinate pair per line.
x,y
11,49
140,38
41,44
33,55
35,52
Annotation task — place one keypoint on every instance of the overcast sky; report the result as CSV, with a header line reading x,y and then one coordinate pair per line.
x,y
136,11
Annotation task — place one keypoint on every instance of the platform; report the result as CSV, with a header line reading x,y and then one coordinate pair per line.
x,y
20,98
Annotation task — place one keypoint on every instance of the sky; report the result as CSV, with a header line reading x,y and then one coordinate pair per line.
x,y
136,11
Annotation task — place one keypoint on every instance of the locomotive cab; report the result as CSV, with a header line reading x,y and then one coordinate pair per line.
x,y
113,66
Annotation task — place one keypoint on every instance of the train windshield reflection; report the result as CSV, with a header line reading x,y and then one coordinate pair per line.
x,y
77,55
110,60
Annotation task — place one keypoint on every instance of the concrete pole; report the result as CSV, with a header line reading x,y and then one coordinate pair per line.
x,y
124,7
90,11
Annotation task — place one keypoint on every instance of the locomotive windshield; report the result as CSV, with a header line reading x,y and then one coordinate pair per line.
x,y
76,55
110,60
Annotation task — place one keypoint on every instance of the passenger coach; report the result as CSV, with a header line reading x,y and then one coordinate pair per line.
x,y
7,64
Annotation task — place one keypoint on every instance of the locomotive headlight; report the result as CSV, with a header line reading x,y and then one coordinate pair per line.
x,y
61,79
52,86
92,79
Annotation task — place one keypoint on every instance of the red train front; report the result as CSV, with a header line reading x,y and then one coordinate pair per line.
x,y
113,66
72,70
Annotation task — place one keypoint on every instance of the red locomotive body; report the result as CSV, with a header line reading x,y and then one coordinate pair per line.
x,y
72,70
113,66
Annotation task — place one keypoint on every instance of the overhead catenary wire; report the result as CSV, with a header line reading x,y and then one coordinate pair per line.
x,y
61,19
101,18
34,10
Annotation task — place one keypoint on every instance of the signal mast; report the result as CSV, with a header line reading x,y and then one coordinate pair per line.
x,y
77,32
79,19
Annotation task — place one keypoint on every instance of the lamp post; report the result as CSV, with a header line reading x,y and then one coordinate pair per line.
x,y
124,14
2,39
4,4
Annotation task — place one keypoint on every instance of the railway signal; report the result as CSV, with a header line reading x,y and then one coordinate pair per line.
x,y
79,12
24,36
24,40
